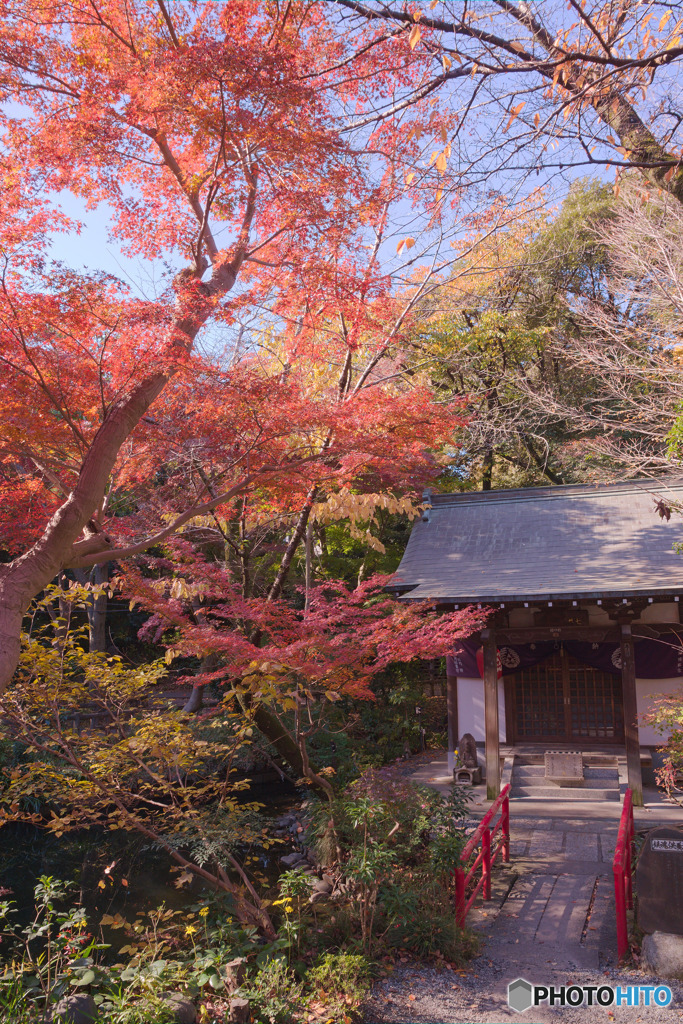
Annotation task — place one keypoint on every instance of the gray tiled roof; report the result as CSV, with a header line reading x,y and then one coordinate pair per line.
x,y
545,543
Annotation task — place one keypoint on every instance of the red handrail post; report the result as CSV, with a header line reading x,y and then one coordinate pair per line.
x,y
460,912
486,862
622,867
505,827
629,863
622,928
485,834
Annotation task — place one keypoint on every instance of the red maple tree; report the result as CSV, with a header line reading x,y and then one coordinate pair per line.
x,y
242,144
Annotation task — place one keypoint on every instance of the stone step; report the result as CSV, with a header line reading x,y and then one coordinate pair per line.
x,y
536,783
564,793
591,760
537,771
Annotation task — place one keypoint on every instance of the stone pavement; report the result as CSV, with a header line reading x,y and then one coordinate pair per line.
x,y
554,903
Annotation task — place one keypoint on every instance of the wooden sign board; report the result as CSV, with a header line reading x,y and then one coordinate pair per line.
x,y
564,767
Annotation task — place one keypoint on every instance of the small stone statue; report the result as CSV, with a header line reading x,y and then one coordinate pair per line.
x,y
467,749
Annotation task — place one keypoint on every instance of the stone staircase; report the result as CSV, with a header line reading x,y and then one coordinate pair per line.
x,y
601,779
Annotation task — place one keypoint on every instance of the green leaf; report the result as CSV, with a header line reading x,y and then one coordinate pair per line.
x,y
86,978
216,983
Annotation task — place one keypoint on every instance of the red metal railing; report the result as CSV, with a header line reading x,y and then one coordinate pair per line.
x,y
622,868
486,858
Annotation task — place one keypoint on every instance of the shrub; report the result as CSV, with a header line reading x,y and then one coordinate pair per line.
x,y
397,845
340,980
666,715
276,993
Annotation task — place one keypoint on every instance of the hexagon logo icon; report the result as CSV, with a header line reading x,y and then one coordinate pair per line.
x,y
520,995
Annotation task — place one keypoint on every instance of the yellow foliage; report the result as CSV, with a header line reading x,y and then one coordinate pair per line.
x,y
360,512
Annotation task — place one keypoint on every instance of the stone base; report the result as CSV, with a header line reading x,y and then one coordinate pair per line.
x,y
662,953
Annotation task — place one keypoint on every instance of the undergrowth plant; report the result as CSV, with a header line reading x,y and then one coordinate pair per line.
x,y
144,768
398,845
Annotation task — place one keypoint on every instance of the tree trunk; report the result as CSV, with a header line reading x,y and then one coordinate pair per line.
x,y
27,575
195,701
96,606
487,476
62,540
97,612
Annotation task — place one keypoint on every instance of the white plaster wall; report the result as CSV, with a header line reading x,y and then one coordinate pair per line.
x,y
471,708
521,617
664,611
597,616
645,689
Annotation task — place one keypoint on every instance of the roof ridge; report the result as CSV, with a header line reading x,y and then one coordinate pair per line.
x,y
555,492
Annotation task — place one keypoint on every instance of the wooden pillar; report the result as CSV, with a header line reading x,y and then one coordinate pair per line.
x,y
452,706
628,685
491,714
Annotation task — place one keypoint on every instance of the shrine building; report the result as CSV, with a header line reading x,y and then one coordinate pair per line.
x,y
584,586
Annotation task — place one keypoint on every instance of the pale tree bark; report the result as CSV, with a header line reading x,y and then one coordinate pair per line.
x,y
96,605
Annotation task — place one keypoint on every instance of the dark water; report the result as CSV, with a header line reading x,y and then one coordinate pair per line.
x,y
139,879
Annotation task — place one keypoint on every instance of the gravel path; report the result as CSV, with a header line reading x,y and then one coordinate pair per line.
x,y
430,996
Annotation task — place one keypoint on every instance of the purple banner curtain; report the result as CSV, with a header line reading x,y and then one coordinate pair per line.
x,y
655,659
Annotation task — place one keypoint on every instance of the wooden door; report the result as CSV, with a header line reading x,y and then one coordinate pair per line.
x,y
595,704
561,700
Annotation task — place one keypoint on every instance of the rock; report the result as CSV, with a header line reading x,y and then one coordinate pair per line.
x,y
291,860
239,1011
318,897
76,1009
311,858
234,973
183,1009
322,886
327,877
662,953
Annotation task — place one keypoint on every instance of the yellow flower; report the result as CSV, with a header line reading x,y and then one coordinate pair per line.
x,y
289,909
190,930
204,912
